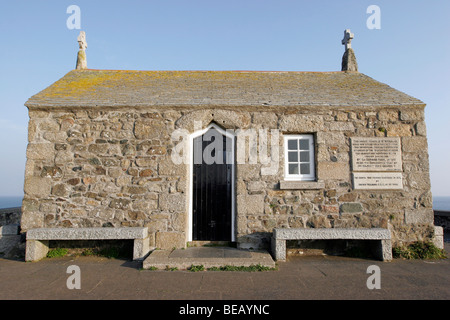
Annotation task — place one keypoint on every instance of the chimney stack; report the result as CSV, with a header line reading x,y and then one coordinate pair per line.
x,y
349,59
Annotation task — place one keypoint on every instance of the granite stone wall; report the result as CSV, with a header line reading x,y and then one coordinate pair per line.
x,y
113,168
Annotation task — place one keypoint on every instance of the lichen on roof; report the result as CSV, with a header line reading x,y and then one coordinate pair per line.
x,y
109,88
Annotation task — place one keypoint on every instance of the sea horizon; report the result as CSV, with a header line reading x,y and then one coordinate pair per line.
x,y
439,202
10,202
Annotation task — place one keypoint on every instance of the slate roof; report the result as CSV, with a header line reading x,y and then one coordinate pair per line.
x,y
125,88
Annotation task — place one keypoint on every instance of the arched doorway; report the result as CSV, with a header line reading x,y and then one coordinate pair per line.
x,y
212,185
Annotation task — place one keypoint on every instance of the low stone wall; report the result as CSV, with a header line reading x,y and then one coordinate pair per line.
x,y
10,216
442,219
10,239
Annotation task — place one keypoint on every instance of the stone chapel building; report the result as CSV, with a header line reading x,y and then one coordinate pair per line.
x,y
122,148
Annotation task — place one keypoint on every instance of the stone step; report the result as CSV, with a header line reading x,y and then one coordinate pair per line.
x,y
208,257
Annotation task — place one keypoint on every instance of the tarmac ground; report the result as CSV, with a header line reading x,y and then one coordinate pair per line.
x,y
299,278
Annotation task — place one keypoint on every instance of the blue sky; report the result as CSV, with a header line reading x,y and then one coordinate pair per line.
x,y
410,52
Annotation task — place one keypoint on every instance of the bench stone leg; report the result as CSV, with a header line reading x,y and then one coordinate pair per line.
x,y
386,248
279,249
140,248
36,250
383,250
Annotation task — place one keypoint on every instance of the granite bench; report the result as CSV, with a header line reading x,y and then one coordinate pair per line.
x,y
38,239
383,249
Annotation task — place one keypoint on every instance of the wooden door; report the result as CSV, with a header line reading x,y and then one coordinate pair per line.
x,y
212,189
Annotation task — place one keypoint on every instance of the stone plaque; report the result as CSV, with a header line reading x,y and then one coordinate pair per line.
x,y
376,154
377,180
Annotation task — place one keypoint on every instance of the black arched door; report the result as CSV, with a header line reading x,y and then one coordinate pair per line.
x,y
212,187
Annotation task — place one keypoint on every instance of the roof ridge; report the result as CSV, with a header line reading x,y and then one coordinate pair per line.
x,y
243,71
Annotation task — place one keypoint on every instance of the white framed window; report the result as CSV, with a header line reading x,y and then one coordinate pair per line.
x,y
299,157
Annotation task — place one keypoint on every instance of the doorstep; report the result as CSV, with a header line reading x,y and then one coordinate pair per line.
x,y
208,257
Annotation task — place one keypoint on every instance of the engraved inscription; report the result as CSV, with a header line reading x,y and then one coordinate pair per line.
x,y
377,180
376,154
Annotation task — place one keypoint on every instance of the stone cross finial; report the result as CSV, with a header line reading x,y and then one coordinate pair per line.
x,y
82,40
349,59
348,36
81,57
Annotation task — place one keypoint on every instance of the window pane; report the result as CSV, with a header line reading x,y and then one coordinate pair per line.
x,y
304,168
293,168
304,144
292,144
304,156
293,156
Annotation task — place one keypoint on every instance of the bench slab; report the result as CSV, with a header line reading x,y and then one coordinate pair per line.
x,y
37,239
87,233
331,233
281,235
